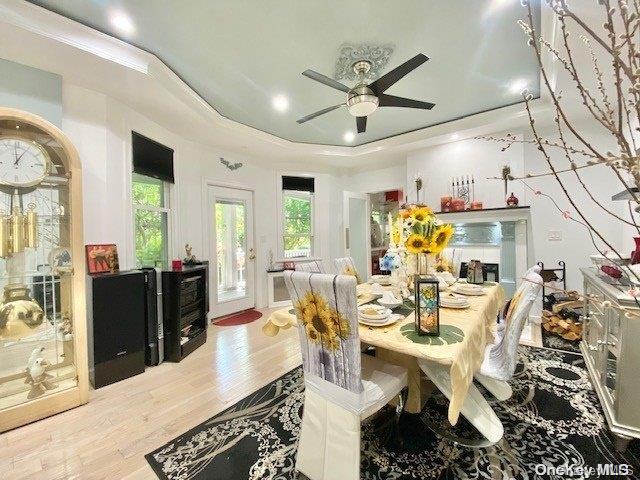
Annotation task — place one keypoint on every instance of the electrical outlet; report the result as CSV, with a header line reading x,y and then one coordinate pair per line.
x,y
554,236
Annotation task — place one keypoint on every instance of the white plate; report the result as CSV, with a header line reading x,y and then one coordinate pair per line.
x,y
459,306
391,320
464,291
389,305
382,312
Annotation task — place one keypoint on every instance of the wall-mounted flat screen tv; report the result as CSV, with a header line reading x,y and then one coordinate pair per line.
x,y
151,158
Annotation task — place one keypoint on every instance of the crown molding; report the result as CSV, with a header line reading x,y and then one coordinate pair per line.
x,y
58,28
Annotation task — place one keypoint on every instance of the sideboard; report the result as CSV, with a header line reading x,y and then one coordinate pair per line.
x,y
612,354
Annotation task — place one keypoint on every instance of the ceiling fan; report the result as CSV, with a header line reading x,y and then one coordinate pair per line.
x,y
363,99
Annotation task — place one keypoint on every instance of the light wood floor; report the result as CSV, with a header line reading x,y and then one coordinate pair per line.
x,y
108,437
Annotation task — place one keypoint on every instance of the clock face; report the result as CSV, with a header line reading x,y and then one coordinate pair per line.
x,y
22,163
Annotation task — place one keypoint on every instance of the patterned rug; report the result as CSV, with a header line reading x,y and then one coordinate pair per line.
x,y
553,418
551,340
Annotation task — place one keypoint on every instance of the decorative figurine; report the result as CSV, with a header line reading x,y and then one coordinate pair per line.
x,y
418,182
38,378
35,354
65,328
506,176
190,259
60,260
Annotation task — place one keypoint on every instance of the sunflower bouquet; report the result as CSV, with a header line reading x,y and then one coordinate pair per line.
x,y
421,231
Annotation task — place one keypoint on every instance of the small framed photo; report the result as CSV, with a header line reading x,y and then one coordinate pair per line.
x,y
102,258
427,299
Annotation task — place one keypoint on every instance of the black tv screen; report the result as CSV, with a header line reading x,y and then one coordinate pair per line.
x,y
151,158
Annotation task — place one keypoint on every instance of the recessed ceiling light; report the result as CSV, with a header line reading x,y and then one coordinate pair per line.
x,y
349,137
455,136
280,103
122,22
517,86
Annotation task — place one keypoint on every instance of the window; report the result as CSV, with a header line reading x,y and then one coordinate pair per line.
x,y
150,218
297,228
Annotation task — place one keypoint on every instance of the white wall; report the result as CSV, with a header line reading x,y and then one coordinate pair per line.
x,y
100,127
378,180
438,164
485,159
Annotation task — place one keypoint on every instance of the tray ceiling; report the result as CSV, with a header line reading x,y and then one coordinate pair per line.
x,y
241,55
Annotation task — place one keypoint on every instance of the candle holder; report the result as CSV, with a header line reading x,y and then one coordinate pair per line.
x,y
427,299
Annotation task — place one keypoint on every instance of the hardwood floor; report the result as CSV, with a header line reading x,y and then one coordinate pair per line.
x,y
108,437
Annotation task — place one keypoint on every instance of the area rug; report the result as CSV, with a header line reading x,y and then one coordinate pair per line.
x,y
552,420
246,316
551,340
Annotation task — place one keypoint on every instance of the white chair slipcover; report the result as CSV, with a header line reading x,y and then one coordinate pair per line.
x,y
341,387
345,266
501,356
313,266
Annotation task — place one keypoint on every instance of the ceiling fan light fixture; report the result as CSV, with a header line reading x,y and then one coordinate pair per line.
x,y
362,102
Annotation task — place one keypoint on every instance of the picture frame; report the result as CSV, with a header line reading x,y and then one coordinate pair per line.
x,y
427,301
102,258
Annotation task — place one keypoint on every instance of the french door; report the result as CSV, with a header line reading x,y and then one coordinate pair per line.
x,y
232,250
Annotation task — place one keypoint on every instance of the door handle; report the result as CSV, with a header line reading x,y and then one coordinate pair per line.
x,y
252,254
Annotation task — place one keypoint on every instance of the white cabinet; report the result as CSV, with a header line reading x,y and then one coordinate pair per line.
x,y
612,355
277,290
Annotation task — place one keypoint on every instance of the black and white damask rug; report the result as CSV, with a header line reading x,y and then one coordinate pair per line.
x,y
552,422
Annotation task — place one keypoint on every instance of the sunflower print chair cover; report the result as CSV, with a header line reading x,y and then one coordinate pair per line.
x,y
326,310
345,266
501,357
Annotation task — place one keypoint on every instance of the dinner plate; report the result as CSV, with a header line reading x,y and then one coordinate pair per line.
x,y
366,312
464,291
459,306
389,321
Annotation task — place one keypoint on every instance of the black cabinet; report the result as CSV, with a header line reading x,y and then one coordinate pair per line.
x,y
185,296
116,327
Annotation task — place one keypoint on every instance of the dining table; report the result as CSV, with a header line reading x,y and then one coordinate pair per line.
x,y
460,345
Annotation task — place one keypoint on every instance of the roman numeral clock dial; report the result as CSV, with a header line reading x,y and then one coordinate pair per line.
x,y
22,163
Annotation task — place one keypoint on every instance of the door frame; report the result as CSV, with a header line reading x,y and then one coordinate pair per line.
x,y
207,238
346,195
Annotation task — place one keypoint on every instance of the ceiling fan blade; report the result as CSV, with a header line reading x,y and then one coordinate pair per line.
x,y
361,123
330,82
389,78
392,101
319,112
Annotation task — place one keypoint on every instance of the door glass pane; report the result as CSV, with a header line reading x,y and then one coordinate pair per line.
x,y
231,245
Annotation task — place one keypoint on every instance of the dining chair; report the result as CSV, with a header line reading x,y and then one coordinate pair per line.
x,y
342,387
501,356
313,266
345,266
498,365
